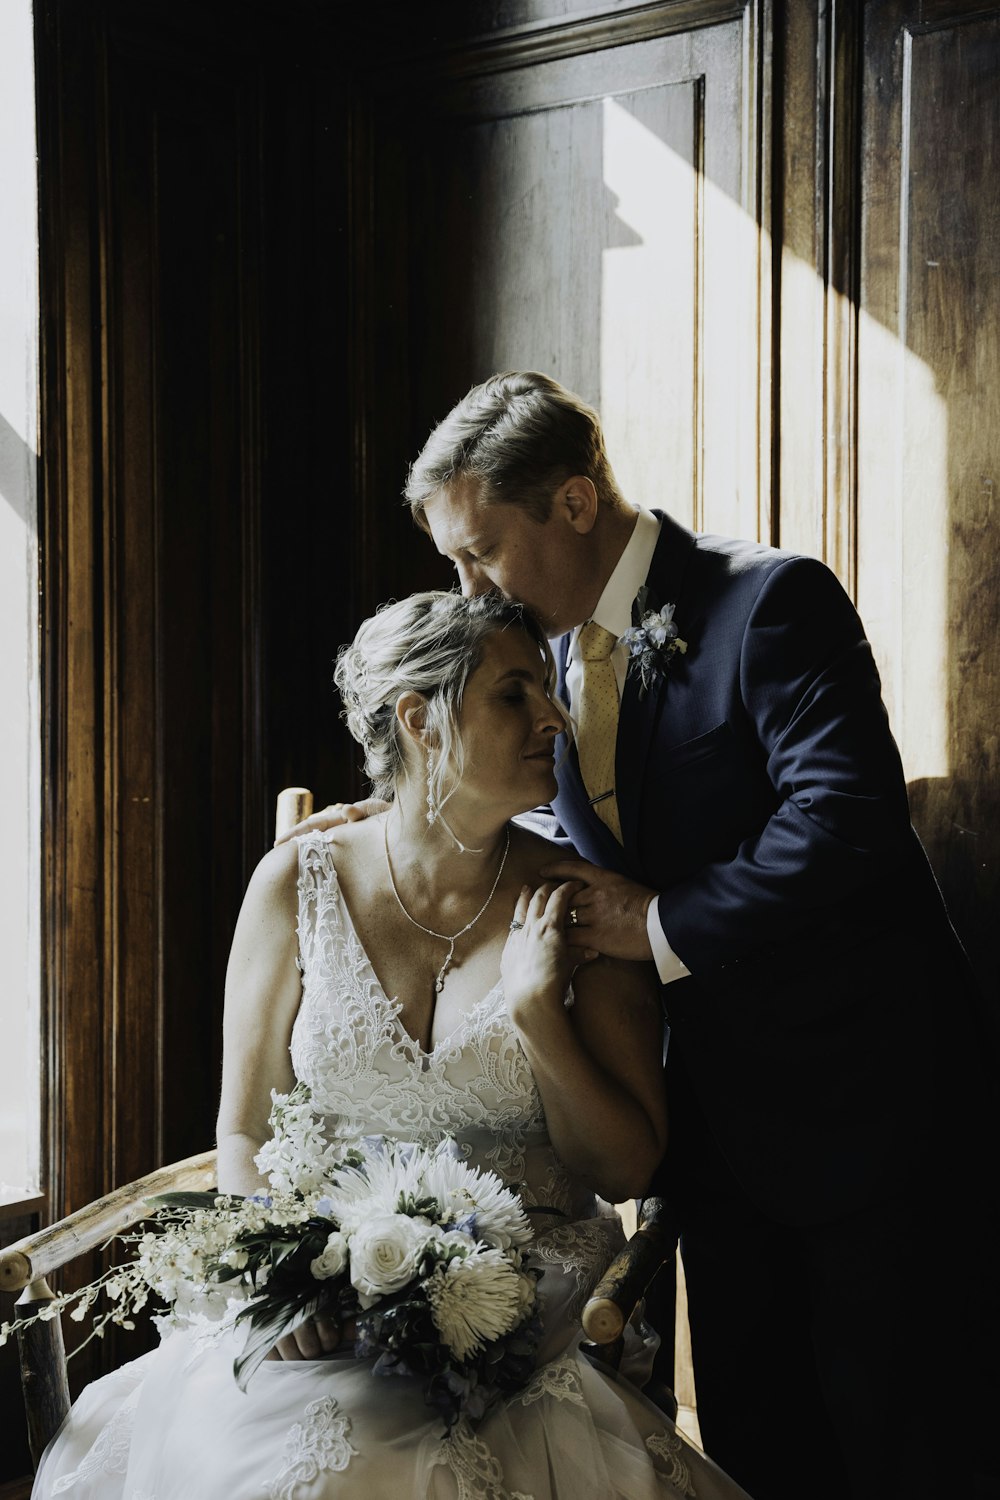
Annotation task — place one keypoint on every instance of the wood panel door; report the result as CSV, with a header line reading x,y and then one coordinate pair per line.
x,y
929,429
588,204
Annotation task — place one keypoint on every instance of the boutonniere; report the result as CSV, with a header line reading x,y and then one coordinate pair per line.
x,y
653,642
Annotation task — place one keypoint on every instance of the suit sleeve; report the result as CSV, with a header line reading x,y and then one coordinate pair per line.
x,y
810,689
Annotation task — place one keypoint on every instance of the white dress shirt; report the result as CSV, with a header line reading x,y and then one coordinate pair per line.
x,y
614,613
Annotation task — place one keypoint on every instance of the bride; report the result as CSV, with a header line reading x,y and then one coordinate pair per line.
x,y
412,968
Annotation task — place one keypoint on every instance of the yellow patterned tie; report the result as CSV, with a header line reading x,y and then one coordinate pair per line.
x,y
597,723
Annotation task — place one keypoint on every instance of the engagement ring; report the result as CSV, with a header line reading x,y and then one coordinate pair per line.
x,y
516,926
574,917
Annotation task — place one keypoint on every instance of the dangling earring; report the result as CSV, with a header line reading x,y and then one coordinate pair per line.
x,y
434,812
433,808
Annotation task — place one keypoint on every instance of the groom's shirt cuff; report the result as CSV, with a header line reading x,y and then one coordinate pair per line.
x,y
668,965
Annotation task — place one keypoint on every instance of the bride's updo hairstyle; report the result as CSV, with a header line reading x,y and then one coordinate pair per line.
x,y
430,644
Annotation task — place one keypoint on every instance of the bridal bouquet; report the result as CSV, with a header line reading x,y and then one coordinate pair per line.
x,y
423,1252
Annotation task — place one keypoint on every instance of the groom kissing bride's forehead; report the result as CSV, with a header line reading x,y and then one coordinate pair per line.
x,y
736,805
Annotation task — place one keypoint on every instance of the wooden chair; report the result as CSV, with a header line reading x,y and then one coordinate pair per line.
x,y
26,1265
613,1301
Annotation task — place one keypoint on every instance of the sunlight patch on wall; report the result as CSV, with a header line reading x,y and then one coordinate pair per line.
x,y
19,748
679,333
903,544
648,338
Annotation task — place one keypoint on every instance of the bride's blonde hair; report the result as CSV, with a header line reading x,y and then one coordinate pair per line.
x,y
430,644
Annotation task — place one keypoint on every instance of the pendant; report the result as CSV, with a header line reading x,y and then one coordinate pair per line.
x,y
439,981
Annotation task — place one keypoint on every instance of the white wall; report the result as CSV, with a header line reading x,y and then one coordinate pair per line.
x,y
19,740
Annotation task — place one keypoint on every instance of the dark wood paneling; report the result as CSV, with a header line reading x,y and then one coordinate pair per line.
x,y
930,418
197,540
15,1459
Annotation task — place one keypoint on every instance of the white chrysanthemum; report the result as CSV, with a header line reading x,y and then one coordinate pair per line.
x,y
461,1190
332,1260
385,1254
359,1193
475,1300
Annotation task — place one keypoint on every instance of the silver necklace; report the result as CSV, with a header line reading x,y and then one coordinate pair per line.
x,y
443,936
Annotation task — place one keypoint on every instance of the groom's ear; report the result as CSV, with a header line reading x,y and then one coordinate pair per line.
x,y
576,501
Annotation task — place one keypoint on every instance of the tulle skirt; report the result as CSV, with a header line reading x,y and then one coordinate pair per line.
x,y
173,1425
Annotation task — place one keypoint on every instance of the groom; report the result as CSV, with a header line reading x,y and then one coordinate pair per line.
x,y
739,805
737,792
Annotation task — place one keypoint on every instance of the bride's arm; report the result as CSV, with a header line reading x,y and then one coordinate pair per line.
x,y
263,991
262,998
599,1065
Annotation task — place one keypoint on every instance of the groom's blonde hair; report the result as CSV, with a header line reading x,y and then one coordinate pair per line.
x,y
521,434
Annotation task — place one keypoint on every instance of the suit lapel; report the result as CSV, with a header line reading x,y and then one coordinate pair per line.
x,y
640,712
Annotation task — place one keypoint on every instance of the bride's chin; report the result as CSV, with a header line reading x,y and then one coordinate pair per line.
x,y
537,791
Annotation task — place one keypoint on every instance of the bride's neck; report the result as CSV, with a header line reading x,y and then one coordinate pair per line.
x,y
433,860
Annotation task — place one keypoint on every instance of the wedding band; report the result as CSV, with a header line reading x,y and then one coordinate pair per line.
x,y
516,926
574,917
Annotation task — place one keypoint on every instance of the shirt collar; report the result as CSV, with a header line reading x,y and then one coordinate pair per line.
x,y
614,608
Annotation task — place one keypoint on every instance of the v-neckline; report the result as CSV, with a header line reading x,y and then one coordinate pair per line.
x,y
394,1005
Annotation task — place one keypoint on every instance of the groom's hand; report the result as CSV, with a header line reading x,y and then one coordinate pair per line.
x,y
611,910
333,816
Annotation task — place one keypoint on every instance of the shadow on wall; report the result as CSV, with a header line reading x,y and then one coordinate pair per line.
x,y
18,471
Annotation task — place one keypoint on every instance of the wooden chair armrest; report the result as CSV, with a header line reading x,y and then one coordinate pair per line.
x,y
614,1299
34,1257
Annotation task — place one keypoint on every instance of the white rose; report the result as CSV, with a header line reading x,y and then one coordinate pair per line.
x,y
385,1254
333,1259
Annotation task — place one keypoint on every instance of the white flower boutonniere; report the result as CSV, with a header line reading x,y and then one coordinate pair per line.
x,y
653,643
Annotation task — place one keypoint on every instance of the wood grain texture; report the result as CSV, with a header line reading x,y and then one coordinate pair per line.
x,y
42,1357
613,1300
818,200
176,656
929,410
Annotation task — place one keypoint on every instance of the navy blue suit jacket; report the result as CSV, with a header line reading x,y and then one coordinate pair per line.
x,y
761,794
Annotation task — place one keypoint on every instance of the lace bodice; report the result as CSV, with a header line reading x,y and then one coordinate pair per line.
x,y
369,1077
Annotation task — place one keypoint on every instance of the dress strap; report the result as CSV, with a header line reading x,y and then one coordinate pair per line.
x,y
319,911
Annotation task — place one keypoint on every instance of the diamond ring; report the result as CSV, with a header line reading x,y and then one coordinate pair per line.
x,y
516,926
574,917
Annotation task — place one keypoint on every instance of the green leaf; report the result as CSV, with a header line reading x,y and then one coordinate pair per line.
x,y
269,1324
184,1200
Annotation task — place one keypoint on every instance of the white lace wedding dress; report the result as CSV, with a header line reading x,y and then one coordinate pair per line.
x,y
173,1425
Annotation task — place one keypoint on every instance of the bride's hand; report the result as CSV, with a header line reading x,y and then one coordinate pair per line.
x,y
538,962
312,1339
